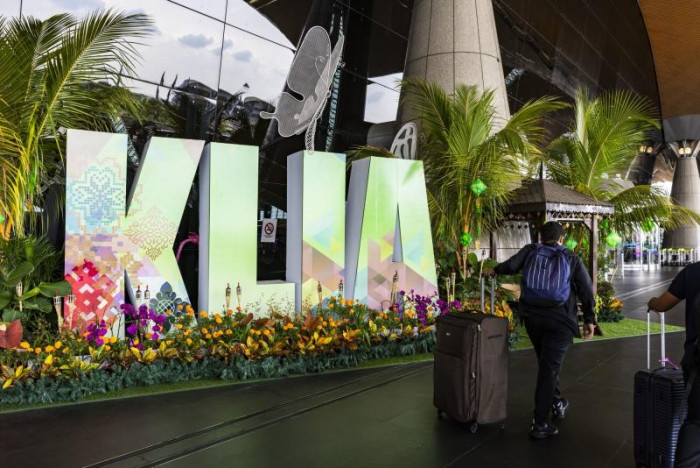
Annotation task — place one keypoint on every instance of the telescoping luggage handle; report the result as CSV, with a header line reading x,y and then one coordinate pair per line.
x,y
493,294
662,318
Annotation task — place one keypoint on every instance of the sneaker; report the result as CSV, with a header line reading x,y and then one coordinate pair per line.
x,y
543,431
559,408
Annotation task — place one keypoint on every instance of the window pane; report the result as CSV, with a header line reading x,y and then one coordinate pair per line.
x,y
251,19
9,8
215,8
260,64
185,44
382,98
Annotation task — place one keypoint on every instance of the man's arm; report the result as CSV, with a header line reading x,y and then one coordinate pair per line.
x,y
665,302
675,294
515,263
584,291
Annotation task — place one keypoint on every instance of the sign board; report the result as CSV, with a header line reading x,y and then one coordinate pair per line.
x,y
268,230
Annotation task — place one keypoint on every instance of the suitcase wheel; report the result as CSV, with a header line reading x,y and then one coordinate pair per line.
x,y
473,427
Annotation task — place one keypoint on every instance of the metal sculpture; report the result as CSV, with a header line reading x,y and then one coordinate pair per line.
x,y
311,77
405,142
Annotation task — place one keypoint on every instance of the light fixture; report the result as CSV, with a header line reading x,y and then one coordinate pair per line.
x,y
649,149
642,148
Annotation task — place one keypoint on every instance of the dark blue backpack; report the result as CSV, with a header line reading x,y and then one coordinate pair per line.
x,y
546,277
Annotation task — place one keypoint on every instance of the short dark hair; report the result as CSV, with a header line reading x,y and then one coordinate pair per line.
x,y
551,232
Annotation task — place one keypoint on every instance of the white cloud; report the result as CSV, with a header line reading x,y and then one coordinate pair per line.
x,y
196,41
243,56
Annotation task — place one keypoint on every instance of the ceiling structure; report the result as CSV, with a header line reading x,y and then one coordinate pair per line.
x,y
675,43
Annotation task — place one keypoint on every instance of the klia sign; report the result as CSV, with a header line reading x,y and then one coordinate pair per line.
x,y
384,227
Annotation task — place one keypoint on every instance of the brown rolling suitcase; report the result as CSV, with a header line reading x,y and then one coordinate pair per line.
x,y
470,379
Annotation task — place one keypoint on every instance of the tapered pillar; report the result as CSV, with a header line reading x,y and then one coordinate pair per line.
x,y
452,42
686,193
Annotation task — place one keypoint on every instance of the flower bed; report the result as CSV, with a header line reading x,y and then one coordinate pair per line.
x,y
233,345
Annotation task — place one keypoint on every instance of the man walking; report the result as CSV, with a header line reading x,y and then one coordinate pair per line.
x,y
686,286
553,277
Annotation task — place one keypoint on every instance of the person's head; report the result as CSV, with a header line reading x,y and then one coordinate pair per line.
x,y
552,233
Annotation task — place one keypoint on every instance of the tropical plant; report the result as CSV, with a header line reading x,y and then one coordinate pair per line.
x,y
602,141
464,143
56,74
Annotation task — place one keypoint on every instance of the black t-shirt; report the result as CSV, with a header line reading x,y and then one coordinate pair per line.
x,y
687,286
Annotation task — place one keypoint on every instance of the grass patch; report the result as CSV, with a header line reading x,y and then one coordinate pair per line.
x,y
624,329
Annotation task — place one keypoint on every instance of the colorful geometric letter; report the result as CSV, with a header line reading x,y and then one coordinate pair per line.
x,y
98,229
315,224
228,217
388,231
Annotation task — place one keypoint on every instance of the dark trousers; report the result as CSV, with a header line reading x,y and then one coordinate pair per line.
x,y
688,448
551,339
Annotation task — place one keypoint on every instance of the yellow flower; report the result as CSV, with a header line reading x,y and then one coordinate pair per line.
x,y
65,351
204,330
108,347
37,350
24,345
168,342
57,345
49,360
330,305
188,341
208,337
113,339
267,332
203,314
187,332
168,312
228,331
178,326
219,321
149,335
49,349
136,341
217,315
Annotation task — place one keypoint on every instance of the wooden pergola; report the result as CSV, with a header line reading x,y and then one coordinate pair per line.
x,y
541,200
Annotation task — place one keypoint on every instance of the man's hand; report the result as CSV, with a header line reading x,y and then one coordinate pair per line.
x,y
663,303
488,272
588,331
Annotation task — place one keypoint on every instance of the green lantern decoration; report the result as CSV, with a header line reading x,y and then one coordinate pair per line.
x,y
570,243
648,225
478,187
466,238
613,239
605,224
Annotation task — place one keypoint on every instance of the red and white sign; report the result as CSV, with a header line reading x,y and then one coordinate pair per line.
x,y
269,230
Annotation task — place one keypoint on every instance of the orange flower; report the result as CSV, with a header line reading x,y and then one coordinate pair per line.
x,y
190,313
188,341
204,330
37,350
24,345
228,331
203,314
57,345
229,312
208,337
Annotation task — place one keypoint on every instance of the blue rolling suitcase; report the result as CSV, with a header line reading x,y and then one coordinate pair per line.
x,y
659,409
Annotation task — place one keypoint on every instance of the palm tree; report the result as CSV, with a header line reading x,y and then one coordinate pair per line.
x,y
56,74
602,142
461,145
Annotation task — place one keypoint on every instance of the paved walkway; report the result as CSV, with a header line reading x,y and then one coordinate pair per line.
x,y
376,417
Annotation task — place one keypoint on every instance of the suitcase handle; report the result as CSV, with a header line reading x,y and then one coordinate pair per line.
x,y
493,294
662,318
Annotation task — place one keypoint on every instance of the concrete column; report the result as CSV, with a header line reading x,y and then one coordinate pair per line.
x,y
455,41
686,192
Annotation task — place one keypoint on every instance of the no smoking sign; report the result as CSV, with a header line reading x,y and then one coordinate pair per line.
x,y
269,230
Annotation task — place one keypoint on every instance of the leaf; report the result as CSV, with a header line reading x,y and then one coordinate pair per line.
x,y
10,315
5,298
16,275
136,352
59,288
